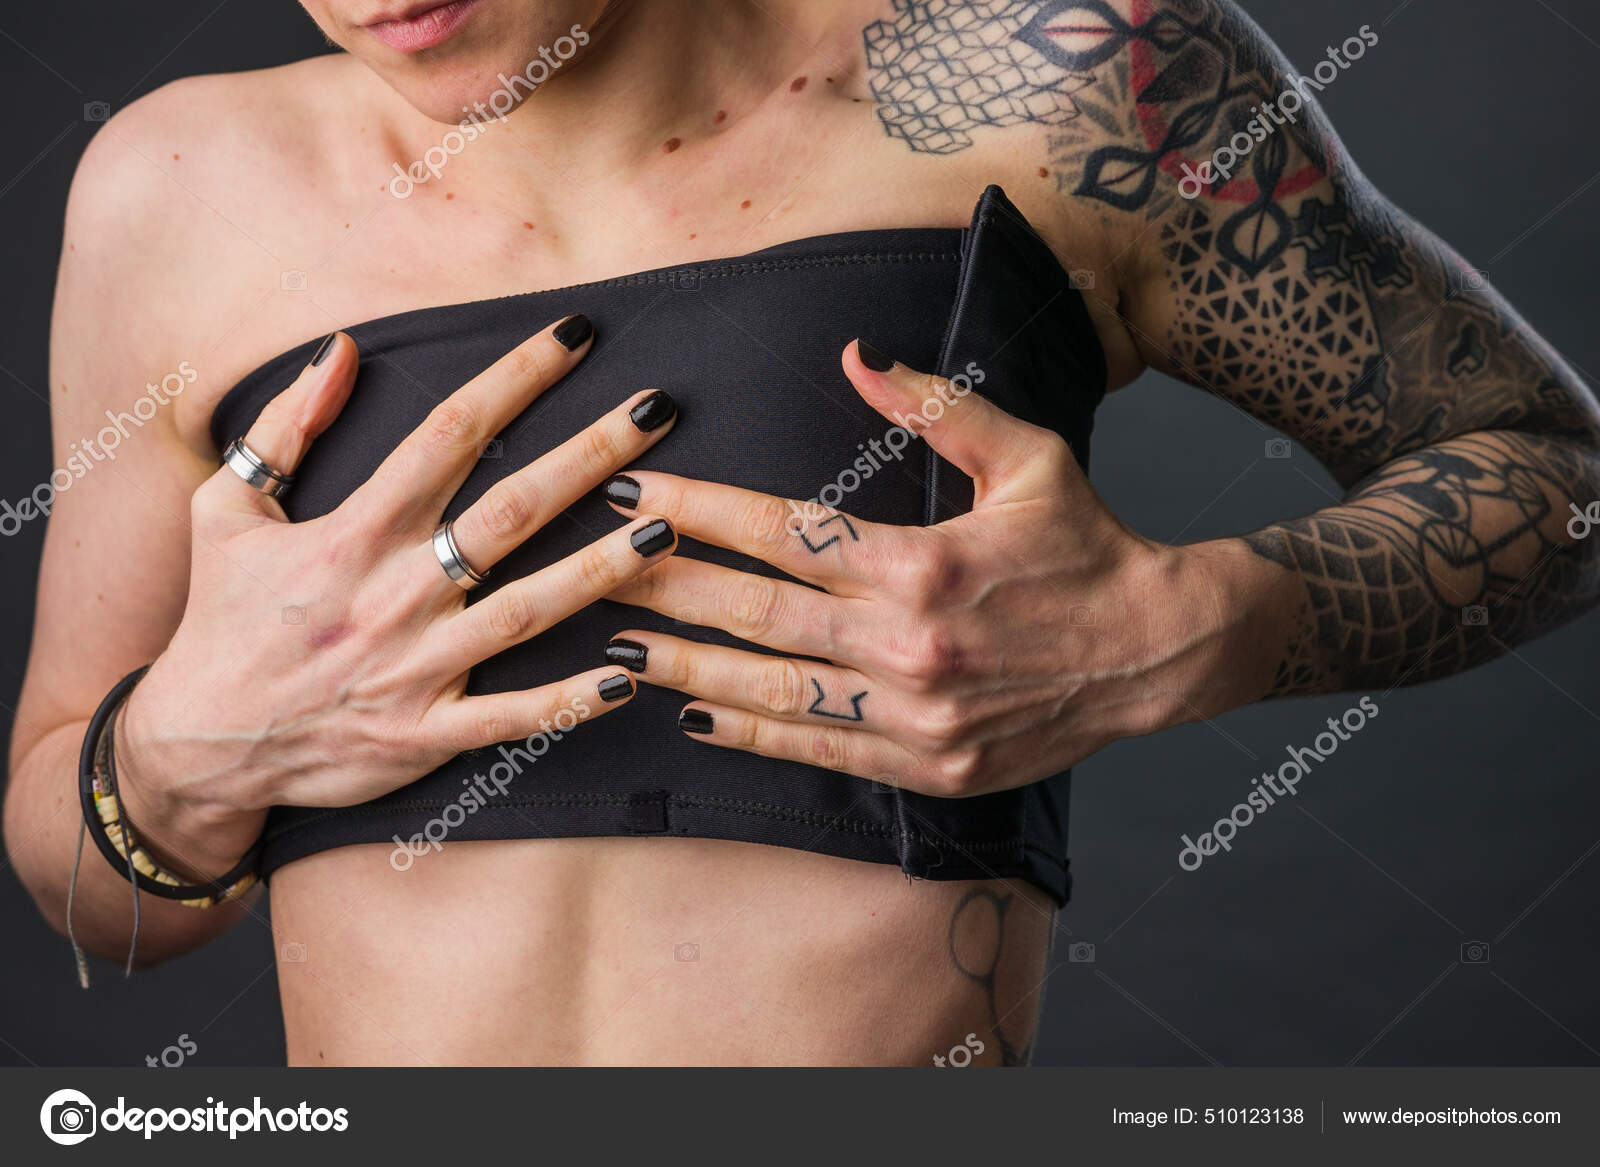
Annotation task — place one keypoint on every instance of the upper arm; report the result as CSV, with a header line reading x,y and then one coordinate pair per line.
x,y
113,579
1292,287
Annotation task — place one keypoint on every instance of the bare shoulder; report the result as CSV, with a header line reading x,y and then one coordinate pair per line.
x,y
187,207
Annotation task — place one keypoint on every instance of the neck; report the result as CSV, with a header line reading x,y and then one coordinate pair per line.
x,y
658,82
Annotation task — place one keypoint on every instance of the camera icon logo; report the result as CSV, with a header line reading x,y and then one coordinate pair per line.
x,y
1475,952
67,1117
492,449
1476,616
1279,448
294,615
1081,953
292,281
686,280
293,952
686,953
1082,280
96,111
1082,616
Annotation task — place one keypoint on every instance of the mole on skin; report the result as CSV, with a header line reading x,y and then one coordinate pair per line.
x,y
670,145
797,85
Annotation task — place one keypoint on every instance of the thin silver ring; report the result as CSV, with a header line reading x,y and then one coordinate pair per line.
x,y
251,467
450,558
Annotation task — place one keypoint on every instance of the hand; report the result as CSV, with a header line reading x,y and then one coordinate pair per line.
x,y
363,690
984,653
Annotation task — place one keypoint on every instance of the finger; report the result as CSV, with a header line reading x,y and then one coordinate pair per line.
x,y
775,686
284,430
982,440
788,617
435,459
525,607
515,507
851,751
807,540
471,723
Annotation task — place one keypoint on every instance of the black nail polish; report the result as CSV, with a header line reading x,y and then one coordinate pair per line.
x,y
872,358
654,411
652,537
573,331
323,349
627,654
623,491
616,688
694,721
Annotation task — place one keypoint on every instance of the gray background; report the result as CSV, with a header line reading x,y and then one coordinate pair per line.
x,y
1469,811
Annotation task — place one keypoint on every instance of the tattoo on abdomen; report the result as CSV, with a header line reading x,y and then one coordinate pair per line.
x,y
976,941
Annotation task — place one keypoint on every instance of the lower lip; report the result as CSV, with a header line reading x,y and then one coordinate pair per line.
x,y
433,27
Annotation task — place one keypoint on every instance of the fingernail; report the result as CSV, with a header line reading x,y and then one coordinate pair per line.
x,y
654,411
616,688
652,537
872,358
573,331
694,721
323,349
623,491
627,654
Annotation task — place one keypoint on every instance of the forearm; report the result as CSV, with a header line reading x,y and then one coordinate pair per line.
x,y
1441,560
42,823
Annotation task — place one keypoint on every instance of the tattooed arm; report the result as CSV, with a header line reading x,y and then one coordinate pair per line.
x,y
1292,288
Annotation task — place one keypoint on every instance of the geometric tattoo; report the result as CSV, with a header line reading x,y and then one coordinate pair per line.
x,y
942,68
855,705
816,548
1301,295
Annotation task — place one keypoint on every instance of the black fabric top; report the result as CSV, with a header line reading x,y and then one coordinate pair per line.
x,y
749,347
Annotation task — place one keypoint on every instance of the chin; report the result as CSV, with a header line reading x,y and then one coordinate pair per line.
x,y
472,59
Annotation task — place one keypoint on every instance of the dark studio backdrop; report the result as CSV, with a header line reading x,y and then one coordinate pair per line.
x,y
1427,899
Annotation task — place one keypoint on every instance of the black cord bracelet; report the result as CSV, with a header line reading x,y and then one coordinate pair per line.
x,y
112,833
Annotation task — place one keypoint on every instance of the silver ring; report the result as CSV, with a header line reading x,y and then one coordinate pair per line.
x,y
248,465
449,556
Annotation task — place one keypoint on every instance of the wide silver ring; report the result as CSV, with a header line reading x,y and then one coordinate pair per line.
x,y
449,556
250,466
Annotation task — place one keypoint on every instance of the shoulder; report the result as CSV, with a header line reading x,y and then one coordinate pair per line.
x,y
202,149
181,210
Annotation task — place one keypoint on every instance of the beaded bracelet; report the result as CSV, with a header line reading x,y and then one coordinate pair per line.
x,y
102,815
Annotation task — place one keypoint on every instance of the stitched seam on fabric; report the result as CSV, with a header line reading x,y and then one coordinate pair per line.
x,y
715,270
755,809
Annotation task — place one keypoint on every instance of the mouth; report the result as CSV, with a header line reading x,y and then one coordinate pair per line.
x,y
422,25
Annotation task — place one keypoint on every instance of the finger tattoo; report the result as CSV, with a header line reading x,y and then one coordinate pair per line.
x,y
855,713
818,548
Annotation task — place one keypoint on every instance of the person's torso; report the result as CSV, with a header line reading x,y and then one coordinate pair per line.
x,y
619,949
